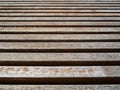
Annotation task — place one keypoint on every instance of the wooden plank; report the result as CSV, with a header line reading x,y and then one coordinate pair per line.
x,y
56,87
59,56
60,14
58,4
53,23
59,8
60,29
58,11
12,71
59,75
56,18
59,71
58,36
60,45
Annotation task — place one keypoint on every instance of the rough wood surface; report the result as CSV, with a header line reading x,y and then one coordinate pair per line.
x,y
61,29
59,56
60,87
60,45
59,36
60,42
58,71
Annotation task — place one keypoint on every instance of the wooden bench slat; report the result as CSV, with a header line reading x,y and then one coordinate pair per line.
x,y
59,71
59,56
59,36
12,71
59,14
59,11
60,45
60,29
59,4
53,23
63,87
59,8
80,19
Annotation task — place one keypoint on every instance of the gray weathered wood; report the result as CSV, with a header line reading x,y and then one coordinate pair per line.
x,y
59,56
60,45
60,11
59,87
60,71
58,36
60,18
63,23
59,14
59,29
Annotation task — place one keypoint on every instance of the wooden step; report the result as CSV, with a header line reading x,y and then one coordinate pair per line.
x,y
59,56
78,75
60,42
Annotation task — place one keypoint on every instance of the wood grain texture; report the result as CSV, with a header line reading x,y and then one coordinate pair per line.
x,y
59,87
59,71
60,42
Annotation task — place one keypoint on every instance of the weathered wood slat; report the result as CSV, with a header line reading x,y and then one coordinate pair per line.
x,y
58,36
60,29
60,18
59,8
56,75
58,5
60,71
12,71
57,23
60,14
41,45
59,56
58,11
63,87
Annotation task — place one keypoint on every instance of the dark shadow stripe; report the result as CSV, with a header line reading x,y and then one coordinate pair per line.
x,y
60,80
67,40
60,63
107,50
60,32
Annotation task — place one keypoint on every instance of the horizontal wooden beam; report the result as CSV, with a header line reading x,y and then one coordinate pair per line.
x,y
60,45
15,23
59,56
56,18
59,14
59,30
64,87
58,36
58,11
